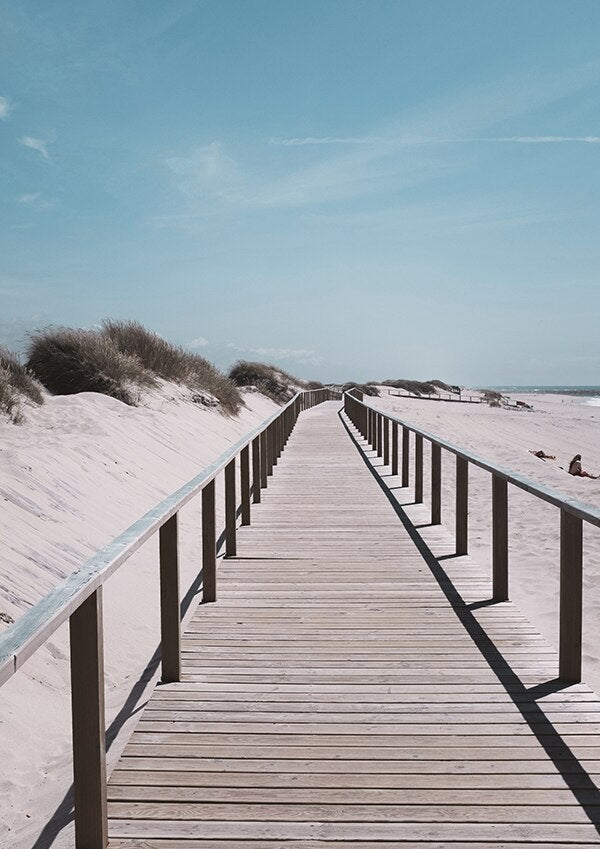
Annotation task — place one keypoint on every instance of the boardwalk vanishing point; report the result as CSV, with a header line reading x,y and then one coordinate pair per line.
x,y
348,689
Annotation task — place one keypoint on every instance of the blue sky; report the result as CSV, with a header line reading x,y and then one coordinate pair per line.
x,y
351,188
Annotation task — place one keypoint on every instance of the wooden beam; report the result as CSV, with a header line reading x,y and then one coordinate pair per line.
x,y
230,505
170,619
499,538
245,484
209,544
571,597
386,442
436,484
256,470
264,460
394,448
462,505
89,734
418,468
405,455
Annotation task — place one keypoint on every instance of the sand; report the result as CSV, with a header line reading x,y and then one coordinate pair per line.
x,y
559,425
79,471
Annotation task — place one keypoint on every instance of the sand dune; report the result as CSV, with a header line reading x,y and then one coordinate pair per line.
x,y
80,470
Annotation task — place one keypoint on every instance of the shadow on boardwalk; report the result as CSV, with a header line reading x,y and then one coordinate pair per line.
x,y
566,762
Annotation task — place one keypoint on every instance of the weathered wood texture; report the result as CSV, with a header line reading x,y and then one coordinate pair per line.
x,y
344,692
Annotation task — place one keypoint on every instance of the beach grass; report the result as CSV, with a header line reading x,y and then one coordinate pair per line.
x,y
16,383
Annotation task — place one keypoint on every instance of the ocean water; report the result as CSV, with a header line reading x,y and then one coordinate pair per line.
x,y
587,394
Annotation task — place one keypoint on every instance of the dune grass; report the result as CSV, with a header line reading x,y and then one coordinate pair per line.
x,y
16,383
365,388
272,381
67,361
171,362
120,360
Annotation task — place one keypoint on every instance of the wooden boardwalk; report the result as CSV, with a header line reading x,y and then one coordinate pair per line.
x,y
343,691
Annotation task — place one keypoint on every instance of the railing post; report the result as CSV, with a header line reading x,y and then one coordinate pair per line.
x,y
462,505
245,483
170,627
386,442
370,436
571,597
230,518
436,484
394,448
499,538
270,450
256,470
379,434
89,732
418,468
275,441
264,459
405,455
209,544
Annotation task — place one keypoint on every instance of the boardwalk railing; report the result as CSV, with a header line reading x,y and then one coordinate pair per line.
x,y
374,426
79,599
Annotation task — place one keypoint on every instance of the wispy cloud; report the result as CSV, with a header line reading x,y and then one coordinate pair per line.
x,y
35,200
357,140
393,156
41,145
200,342
5,107
300,355
206,170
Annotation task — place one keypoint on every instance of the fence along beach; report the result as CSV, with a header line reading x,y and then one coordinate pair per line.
x,y
528,663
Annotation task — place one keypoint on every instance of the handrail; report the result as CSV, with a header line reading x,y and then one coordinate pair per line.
x,y
583,511
21,639
78,598
374,426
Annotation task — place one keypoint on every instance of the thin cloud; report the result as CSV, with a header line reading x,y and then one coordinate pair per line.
x,y
300,355
200,342
385,157
5,107
357,140
36,144
35,200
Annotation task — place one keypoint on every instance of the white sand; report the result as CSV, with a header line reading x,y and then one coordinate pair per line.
x,y
559,425
78,472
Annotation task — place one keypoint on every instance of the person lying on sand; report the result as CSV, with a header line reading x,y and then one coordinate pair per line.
x,y
542,455
575,468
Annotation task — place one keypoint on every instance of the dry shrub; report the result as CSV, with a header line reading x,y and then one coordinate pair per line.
x,y
272,381
9,401
16,383
365,388
67,361
19,376
172,362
